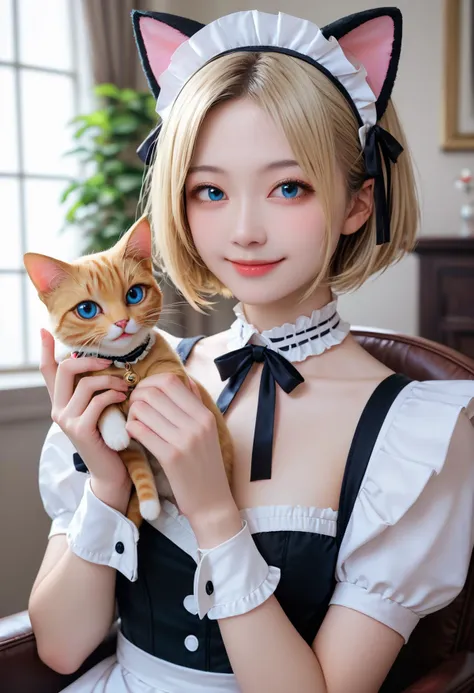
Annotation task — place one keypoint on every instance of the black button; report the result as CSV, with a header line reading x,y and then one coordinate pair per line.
x,y
209,588
119,547
79,463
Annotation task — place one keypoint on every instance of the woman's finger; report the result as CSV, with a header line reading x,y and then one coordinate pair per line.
x,y
160,401
177,391
153,443
87,387
156,422
195,388
48,365
98,404
66,377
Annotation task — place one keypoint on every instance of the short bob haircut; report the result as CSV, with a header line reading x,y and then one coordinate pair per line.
x,y
323,134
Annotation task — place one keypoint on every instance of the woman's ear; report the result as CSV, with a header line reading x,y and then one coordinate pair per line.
x,y
359,209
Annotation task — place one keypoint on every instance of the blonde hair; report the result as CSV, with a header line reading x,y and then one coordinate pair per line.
x,y
323,133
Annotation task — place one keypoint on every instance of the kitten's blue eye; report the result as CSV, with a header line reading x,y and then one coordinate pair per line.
x,y
87,310
135,294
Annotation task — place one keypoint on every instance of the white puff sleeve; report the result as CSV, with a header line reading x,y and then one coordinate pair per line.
x,y
408,543
95,531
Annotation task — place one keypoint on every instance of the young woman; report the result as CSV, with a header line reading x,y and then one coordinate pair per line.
x,y
278,177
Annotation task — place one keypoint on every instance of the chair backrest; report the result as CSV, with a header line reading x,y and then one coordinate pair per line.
x,y
451,630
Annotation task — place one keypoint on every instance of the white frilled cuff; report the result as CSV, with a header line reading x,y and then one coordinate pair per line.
x,y
100,534
233,578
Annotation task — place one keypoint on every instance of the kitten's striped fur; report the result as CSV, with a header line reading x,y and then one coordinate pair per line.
x,y
105,278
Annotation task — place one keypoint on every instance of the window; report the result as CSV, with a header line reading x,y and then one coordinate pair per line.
x,y
41,88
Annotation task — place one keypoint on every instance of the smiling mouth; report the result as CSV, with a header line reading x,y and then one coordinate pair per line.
x,y
254,263
254,268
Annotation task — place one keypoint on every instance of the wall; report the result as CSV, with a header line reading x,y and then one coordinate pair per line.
x,y
24,526
390,301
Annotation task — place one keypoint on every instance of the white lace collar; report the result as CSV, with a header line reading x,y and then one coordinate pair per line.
x,y
309,336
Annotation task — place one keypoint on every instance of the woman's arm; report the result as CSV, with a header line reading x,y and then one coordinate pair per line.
x,y
72,602
351,652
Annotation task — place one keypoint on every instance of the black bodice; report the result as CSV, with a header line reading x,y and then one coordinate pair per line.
x,y
152,609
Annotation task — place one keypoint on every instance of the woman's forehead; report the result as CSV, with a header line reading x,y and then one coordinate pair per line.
x,y
240,131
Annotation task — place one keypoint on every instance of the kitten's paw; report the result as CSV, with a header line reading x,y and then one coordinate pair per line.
x,y
112,428
117,440
150,509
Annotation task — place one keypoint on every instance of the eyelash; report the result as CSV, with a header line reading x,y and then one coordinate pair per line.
x,y
304,186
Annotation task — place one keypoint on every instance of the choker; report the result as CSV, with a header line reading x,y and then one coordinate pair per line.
x,y
131,358
276,349
309,336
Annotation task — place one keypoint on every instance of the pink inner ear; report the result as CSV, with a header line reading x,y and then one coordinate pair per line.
x,y
160,41
139,243
45,273
371,44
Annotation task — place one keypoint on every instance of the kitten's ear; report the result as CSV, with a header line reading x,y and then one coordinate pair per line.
x,y
46,272
136,243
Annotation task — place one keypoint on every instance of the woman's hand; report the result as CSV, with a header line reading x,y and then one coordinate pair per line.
x,y
76,410
171,421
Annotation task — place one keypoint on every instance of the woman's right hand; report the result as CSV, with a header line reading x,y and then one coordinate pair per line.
x,y
76,410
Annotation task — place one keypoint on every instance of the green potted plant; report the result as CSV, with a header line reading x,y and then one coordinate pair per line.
x,y
104,203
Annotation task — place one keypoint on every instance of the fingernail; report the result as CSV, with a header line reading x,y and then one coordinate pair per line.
x,y
43,334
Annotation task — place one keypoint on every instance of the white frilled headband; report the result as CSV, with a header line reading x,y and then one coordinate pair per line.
x,y
358,53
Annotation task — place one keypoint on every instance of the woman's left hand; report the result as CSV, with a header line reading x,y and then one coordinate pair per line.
x,y
170,420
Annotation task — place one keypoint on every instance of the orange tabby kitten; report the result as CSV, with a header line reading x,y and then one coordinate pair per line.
x,y
108,304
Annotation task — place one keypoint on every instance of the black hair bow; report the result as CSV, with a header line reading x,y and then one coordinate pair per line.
x,y
380,142
235,366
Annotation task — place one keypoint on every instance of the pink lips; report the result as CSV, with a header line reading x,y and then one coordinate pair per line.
x,y
254,269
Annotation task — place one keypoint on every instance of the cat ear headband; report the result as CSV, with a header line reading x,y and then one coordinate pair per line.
x,y
358,53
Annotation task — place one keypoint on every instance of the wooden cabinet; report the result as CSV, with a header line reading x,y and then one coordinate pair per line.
x,y
446,292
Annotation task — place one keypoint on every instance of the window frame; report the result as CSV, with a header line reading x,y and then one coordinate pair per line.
x,y
78,73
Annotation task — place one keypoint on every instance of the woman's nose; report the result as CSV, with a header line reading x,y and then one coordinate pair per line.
x,y
248,227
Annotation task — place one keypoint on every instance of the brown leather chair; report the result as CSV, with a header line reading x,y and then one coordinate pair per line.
x,y
439,657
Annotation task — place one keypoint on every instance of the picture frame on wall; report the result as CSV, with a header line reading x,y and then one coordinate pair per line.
x,y
458,97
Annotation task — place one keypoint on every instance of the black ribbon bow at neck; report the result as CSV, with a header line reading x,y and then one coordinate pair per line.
x,y
235,366
380,142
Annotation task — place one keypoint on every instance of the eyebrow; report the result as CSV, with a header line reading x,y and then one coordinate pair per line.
x,y
283,163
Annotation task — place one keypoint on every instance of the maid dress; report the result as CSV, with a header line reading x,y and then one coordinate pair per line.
x,y
398,548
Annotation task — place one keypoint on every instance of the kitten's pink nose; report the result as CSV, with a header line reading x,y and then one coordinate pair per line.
x,y
122,323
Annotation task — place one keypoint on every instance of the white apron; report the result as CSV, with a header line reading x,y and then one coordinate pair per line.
x,y
132,670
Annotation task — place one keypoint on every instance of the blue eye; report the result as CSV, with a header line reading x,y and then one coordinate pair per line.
x,y
135,294
215,194
209,193
290,190
87,310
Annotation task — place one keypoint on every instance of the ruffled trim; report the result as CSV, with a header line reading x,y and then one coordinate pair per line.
x,y
292,335
245,604
281,518
255,28
411,447
263,518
